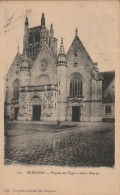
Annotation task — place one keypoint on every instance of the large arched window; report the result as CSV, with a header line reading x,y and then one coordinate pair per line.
x,y
37,37
30,38
16,89
76,86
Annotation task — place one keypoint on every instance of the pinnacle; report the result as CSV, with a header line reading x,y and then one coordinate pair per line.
x,y
51,29
61,55
42,15
26,21
25,55
43,20
61,50
61,41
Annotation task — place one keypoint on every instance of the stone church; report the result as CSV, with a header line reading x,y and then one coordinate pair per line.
x,y
44,84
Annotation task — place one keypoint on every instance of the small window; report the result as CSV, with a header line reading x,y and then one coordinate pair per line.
x,y
107,109
55,105
59,92
59,82
75,58
75,62
55,94
76,53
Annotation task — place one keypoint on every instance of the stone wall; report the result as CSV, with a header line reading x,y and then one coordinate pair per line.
x,y
45,64
61,94
108,115
47,101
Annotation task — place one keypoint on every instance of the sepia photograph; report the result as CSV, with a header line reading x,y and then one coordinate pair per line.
x,y
59,104
60,97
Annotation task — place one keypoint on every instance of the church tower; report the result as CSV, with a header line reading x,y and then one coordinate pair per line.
x,y
61,75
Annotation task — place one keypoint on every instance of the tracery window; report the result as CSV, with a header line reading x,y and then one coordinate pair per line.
x,y
37,37
16,89
76,86
30,38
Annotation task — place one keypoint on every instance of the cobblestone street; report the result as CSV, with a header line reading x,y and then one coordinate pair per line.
x,y
66,146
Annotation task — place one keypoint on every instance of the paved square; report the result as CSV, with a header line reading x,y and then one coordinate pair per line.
x,y
81,145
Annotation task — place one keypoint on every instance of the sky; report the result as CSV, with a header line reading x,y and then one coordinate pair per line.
x,y
97,23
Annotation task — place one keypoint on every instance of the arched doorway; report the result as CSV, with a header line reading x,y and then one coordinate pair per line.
x,y
16,111
36,112
75,113
36,108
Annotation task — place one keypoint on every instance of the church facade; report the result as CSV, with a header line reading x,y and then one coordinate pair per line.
x,y
45,85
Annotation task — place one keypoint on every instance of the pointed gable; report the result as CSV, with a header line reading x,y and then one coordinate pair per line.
x,y
77,44
16,62
45,64
45,51
77,49
17,58
46,48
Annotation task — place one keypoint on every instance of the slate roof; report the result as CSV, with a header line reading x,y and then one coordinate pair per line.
x,y
108,86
